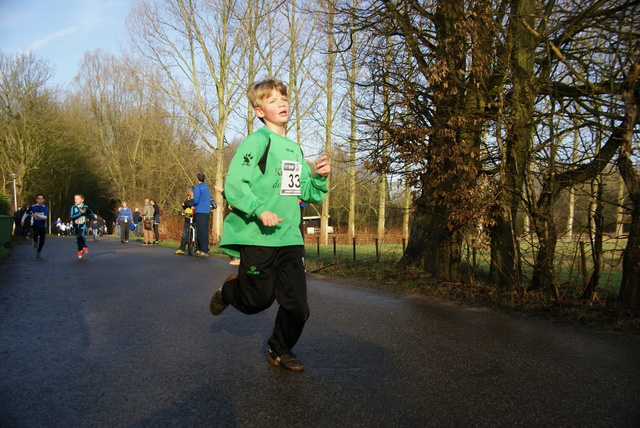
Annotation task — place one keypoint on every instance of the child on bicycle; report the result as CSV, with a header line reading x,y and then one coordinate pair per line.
x,y
187,206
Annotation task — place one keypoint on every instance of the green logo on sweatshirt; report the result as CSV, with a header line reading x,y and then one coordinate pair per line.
x,y
253,271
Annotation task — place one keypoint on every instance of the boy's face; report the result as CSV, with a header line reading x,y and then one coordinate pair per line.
x,y
78,199
274,110
39,200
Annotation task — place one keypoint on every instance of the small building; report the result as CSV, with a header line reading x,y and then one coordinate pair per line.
x,y
311,225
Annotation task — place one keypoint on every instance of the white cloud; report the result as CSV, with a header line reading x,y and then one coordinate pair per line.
x,y
99,13
9,18
44,41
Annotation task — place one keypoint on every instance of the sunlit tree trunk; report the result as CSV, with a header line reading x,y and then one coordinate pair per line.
x,y
329,116
572,191
406,205
620,211
353,144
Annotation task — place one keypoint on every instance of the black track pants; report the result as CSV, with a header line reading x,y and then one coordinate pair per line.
x,y
266,274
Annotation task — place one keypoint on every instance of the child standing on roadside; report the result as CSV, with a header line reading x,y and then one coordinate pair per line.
x,y
37,215
266,177
124,219
80,213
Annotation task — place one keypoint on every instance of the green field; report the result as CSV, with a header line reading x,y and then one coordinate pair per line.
x,y
572,268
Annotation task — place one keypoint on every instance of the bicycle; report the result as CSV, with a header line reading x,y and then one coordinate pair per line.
x,y
192,244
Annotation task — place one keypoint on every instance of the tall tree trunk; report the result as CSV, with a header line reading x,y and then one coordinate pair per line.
x,y
543,219
597,222
572,191
544,225
620,211
519,139
432,247
352,73
630,284
406,215
324,218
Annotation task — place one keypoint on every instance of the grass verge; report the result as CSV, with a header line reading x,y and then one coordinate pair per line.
x,y
601,313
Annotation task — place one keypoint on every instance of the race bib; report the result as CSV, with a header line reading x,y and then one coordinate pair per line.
x,y
80,220
290,184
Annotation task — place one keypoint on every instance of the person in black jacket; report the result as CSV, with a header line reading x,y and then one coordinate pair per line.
x,y
157,212
137,220
187,206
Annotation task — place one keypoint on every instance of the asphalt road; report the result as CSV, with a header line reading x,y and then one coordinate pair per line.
x,y
123,338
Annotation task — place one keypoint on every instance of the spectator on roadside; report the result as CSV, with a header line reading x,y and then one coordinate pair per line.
x,y
117,226
201,208
187,206
124,219
157,212
147,223
137,220
26,229
17,219
94,228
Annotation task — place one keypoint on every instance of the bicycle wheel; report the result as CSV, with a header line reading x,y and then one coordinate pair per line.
x,y
191,241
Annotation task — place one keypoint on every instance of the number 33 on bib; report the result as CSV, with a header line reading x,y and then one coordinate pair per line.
x,y
290,178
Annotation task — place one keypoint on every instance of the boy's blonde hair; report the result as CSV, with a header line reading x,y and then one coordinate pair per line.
x,y
258,91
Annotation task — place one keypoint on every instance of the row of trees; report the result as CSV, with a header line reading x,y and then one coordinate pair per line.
x,y
470,117
496,108
103,139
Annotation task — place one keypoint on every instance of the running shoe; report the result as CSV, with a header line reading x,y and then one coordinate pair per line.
x,y
79,254
286,361
85,250
217,305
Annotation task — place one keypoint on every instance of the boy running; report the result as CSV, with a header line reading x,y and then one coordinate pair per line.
x,y
79,215
266,177
37,214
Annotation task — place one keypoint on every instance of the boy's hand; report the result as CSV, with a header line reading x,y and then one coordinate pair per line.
x,y
270,219
322,166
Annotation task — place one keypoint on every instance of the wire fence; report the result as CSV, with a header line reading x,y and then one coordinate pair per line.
x,y
573,264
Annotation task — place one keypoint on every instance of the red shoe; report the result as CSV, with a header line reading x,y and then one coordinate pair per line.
x,y
79,254
85,250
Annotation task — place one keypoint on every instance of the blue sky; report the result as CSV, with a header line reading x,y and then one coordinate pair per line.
x,y
61,31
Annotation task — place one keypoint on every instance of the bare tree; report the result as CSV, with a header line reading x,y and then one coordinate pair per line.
x,y
200,48
26,115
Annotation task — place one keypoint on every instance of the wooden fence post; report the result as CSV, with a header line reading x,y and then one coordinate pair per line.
x,y
354,248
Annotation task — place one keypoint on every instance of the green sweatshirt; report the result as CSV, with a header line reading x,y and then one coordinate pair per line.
x,y
250,192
